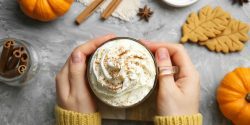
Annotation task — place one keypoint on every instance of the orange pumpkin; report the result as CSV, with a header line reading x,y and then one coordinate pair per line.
x,y
45,10
233,96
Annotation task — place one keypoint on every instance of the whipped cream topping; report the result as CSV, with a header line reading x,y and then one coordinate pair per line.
x,y
122,72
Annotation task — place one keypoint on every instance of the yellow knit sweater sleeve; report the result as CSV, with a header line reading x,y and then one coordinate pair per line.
x,y
65,117
179,120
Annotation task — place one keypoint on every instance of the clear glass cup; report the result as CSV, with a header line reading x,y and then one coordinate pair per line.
x,y
32,67
139,101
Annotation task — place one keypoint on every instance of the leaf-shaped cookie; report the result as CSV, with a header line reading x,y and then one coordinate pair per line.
x,y
232,39
209,23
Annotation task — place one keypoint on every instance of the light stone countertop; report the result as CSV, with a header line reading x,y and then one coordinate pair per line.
x,y
34,104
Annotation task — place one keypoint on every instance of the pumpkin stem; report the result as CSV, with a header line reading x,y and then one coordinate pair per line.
x,y
248,97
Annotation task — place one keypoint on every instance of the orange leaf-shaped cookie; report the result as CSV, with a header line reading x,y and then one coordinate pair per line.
x,y
207,24
232,39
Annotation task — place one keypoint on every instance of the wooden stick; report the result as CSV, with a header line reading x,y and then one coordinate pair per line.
x,y
14,59
110,9
15,72
7,48
88,11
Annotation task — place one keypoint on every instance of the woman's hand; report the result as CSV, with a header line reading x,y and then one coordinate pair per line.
x,y
178,94
71,84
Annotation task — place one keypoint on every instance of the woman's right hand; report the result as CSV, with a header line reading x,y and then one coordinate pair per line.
x,y
178,94
71,83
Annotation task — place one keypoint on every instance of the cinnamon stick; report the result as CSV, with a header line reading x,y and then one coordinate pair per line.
x,y
88,11
110,9
6,53
21,48
14,59
15,72
24,59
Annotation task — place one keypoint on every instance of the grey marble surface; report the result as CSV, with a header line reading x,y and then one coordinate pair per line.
x,y
33,104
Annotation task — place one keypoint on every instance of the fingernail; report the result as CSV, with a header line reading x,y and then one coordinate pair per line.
x,y
162,53
77,57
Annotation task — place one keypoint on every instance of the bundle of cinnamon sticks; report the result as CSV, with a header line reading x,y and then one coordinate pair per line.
x,y
14,59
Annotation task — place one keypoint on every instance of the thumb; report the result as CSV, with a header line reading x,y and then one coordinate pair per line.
x,y
76,72
166,82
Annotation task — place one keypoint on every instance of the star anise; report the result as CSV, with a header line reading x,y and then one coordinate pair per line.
x,y
145,13
241,2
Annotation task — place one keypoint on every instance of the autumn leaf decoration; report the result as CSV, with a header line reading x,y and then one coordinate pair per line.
x,y
232,39
208,23
215,29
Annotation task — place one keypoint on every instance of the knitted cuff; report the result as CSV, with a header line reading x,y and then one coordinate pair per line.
x,y
65,117
179,120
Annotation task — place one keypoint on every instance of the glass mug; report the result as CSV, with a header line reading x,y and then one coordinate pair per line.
x,y
101,90
32,66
